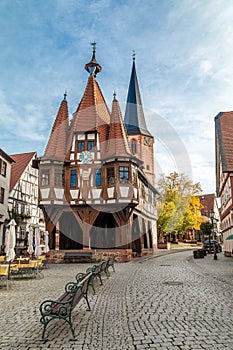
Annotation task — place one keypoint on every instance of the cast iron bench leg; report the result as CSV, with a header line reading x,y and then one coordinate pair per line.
x,y
72,329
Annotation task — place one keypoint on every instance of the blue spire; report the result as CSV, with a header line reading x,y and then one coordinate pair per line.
x,y
134,116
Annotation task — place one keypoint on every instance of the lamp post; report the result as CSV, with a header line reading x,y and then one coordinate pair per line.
x,y
212,223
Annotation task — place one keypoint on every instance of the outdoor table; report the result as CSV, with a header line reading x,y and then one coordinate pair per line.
x,y
4,269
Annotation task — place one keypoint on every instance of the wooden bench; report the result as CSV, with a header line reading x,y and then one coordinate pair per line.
x,y
97,271
62,307
78,257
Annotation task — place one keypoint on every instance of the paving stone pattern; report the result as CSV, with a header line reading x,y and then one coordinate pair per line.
x,y
168,301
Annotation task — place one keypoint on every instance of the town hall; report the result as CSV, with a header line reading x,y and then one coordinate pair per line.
x,y
97,175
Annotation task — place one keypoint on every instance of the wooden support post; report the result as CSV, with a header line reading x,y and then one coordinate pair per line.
x,y
86,217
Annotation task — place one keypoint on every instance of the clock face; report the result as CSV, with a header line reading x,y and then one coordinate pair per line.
x,y
85,157
147,141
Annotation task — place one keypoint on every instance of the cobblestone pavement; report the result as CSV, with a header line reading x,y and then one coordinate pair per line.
x,y
169,301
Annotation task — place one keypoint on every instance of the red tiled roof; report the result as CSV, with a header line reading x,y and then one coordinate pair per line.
x,y
117,139
207,200
57,145
21,162
224,129
92,111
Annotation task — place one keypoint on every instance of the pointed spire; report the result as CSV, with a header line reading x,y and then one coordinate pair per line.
x,y
93,67
92,110
56,146
134,116
117,141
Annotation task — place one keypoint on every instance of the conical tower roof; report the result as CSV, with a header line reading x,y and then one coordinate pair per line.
x,y
56,147
134,116
92,111
117,140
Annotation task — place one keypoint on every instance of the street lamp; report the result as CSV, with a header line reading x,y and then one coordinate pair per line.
x,y
211,216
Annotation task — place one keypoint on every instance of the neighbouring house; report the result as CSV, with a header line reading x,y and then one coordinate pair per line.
x,y
97,176
224,175
23,197
5,174
210,212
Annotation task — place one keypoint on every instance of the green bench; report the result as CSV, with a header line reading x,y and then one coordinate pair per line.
x,y
97,270
62,307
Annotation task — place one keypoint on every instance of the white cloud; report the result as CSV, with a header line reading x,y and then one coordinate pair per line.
x,y
206,68
183,57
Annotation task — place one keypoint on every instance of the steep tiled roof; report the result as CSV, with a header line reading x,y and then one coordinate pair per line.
x,y
92,112
57,145
224,132
207,200
117,140
134,116
21,162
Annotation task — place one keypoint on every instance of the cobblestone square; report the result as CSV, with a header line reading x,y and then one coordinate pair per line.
x,y
164,301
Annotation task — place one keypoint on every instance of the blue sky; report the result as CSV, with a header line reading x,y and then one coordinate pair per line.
x,y
183,59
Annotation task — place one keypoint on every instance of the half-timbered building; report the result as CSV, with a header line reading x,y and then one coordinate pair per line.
x,y
97,175
23,197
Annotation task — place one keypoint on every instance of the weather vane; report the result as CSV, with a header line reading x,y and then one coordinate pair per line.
x,y
133,54
94,46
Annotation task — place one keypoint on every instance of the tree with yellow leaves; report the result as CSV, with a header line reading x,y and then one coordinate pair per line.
x,y
178,207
